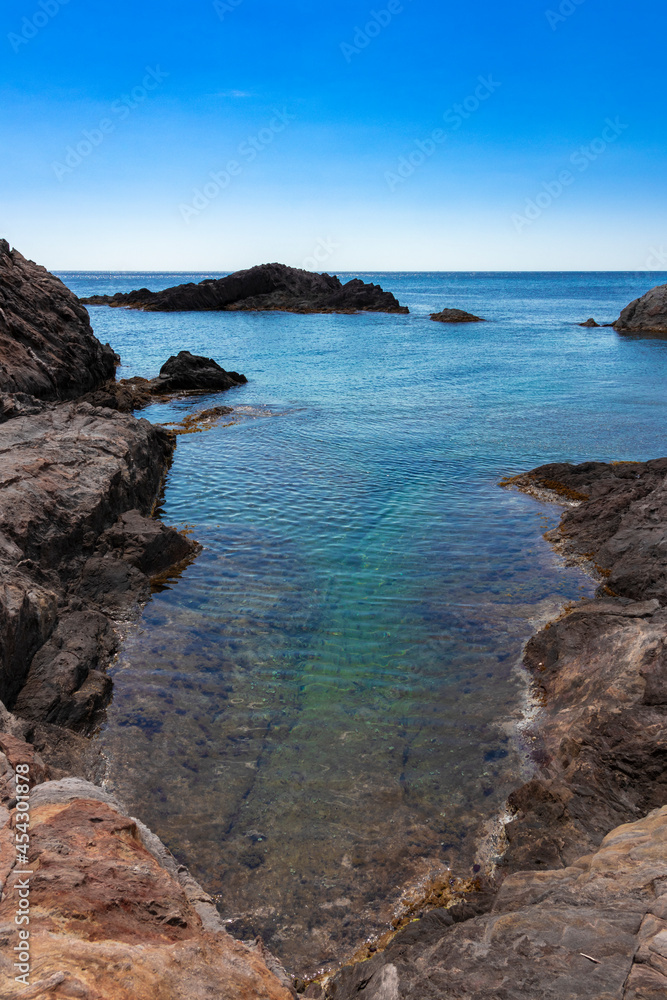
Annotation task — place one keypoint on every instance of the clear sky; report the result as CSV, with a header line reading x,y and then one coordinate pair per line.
x,y
400,135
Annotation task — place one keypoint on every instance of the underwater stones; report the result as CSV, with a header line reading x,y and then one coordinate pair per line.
x,y
456,316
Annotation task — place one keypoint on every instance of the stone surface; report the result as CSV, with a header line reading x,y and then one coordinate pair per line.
x,y
647,314
71,553
266,287
456,316
47,346
191,372
112,913
593,930
589,322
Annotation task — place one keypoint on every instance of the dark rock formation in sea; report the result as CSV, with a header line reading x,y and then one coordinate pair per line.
x,y
589,322
47,346
580,911
265,287
183,372
113,915
456,316
647,314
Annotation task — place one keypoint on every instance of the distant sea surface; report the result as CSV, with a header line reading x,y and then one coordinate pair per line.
x,y
322,711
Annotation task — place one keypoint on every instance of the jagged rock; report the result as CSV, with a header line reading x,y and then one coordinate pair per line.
x,y
47,346
67,474
112,914
597,929
647,314
456,316
185,371
266,287
589,322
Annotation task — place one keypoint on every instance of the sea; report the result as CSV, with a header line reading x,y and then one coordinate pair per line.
x,y
323,715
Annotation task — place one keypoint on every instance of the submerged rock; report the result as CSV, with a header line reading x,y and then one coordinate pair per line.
x,y
113,914
456,316
47,346
647,314
265,287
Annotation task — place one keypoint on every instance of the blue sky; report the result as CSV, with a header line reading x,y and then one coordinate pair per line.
x,y
215,136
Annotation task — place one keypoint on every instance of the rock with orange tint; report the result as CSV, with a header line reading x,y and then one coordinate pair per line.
x,y
113,917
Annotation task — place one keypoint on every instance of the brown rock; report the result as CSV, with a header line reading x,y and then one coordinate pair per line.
x,y
589,322
112,918
47,346
647,314
560,935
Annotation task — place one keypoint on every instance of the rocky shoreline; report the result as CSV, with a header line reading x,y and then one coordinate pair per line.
x,y
574,910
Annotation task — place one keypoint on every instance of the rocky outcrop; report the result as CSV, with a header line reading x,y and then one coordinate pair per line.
x,y
647,314
579,912
47,346
456,316
183,372
595,930
112,914
266,287
590,322
75,547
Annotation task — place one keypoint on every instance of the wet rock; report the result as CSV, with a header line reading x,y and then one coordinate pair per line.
x,y
47,346
113,915
456,316
594,929
647,314
589,322
266,287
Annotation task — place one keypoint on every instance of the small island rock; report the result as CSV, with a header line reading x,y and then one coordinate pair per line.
x,y
647,314
456,316
267,287
589,322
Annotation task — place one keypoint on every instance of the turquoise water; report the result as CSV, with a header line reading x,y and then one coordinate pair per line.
x,y
320,711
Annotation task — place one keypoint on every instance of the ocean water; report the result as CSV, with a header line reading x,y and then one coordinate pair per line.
x,y
321,711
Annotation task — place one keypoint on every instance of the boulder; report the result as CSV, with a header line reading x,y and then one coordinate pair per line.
x,y
456,316
113,915
589,322
190,372
47,346
647,314
265,287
